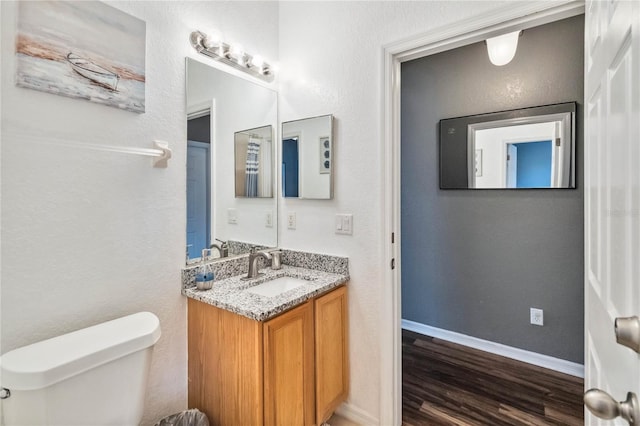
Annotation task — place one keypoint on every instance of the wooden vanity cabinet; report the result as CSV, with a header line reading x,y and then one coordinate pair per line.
x,y
290,370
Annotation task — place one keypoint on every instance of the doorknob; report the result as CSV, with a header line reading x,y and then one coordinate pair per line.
x,y
628,332
602,405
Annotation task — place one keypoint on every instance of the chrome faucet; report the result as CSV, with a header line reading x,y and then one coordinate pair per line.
x,y
217,247
253,262
223,248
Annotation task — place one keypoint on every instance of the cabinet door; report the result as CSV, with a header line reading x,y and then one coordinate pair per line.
x,y
225,365
332,352
288,368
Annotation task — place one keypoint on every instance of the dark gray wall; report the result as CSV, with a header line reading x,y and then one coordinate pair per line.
x,y
475,261
199,129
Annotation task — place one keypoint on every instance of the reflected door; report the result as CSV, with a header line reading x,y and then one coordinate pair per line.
x,y
512,166
198,196
290,172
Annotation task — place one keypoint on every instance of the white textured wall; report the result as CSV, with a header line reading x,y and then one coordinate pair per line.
x,y
331,54
90,236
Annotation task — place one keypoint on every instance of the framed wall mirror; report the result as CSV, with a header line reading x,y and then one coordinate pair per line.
x,y
254,162
530,148
224,111
307,158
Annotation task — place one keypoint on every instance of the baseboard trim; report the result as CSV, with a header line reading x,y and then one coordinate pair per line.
x,y
356,415
556,364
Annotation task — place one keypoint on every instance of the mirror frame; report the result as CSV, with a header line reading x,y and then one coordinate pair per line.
x,y
457,146
290,135
192,110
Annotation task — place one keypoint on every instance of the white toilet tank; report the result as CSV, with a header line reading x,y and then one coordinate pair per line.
x,y
94,376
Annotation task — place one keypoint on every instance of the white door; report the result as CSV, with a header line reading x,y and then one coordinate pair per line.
x,y
198,198
612,200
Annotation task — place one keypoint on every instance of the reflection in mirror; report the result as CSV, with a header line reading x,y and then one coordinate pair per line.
x,y
254,164
219,105
307,158
526,148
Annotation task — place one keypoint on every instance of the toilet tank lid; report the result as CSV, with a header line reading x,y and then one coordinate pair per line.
x,y
45,363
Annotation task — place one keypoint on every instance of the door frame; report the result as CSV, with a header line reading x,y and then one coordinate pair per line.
x,y
506,19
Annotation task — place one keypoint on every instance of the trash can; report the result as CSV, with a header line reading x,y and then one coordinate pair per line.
x,y
193,417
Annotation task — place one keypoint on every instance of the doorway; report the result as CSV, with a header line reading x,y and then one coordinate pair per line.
x,y
198,185
476,261
528,164
290,166
467,32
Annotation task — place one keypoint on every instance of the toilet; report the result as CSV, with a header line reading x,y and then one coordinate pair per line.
x,y
94,376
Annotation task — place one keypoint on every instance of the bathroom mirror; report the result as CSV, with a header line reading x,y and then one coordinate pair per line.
x,y
307,158
220,107
524,148
254,162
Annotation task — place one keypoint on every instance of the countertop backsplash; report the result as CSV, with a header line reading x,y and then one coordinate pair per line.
x,y
316,261
234,266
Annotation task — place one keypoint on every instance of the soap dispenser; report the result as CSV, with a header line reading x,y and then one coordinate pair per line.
x,y
204,276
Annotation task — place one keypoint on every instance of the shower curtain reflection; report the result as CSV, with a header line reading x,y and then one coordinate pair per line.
x,y
253,163
251,168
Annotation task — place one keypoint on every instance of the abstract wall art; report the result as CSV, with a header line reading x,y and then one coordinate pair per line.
x,y
82,49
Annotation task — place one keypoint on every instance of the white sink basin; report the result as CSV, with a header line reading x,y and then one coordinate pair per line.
x,y
276,287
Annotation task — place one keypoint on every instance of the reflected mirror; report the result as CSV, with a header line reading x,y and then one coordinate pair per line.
x,y
220,107
307,158
254,164
525,148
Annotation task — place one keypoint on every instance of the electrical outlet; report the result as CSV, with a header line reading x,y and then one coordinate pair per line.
x,y
537,316
291,220
268,222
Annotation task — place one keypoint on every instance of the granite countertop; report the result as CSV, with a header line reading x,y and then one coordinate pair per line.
x,y
228,293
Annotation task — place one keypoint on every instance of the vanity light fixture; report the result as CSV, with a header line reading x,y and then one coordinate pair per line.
x,y
212,41
502,48
233,55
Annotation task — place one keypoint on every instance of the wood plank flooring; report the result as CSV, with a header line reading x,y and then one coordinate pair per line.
x,y
447,384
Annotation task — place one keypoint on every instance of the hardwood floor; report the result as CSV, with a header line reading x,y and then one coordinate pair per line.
x,y
447,384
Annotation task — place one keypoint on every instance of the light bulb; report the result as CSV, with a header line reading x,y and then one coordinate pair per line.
x,y
257,61
502,49
236,50
212,40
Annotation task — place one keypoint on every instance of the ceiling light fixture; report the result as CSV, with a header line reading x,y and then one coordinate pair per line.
x,y
502,48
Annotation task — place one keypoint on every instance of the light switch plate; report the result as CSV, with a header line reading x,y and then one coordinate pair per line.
x,y
268,220
344,224
291,220
232,216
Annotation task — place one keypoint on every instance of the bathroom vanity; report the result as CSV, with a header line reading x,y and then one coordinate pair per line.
x,y
277,356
